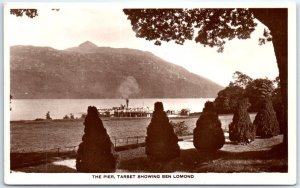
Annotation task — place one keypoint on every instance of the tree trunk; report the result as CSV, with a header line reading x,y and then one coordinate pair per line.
x,y
276,19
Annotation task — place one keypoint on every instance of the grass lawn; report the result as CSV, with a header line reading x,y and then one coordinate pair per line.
x,y
262,155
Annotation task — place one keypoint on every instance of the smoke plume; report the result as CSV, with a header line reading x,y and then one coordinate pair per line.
x,y
129,87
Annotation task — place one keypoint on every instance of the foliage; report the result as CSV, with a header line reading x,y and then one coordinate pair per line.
x,y
277,82
83,116
161,141
267,37
66,117
265,121
71,116
240,79
241,129
31,13
48,116
95,151
214,26
180,128
257,90
185,112
39,119
277,105
227,99
245,87
208,134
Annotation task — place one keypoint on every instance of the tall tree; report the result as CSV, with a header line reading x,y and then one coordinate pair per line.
x,y
257,90
277,22
240,79
214,27
48,116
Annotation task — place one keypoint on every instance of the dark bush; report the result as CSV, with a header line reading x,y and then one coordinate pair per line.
x,y
208,134
257,90
48,117
39,119
180,128
95,151
66,117
227,99
161,141
244,87
83,116
265,122
241,129
72,116
279,115
278,108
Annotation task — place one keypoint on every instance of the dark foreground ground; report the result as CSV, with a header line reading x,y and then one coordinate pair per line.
x,y
262,155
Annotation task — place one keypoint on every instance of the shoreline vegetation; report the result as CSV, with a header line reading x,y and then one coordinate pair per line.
x,y
192,115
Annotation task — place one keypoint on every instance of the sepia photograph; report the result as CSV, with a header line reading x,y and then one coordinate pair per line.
x,y
139,94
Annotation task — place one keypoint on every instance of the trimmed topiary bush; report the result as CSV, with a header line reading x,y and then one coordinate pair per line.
x,y
208,134
265,121
161,141
241,129
278,108
95,151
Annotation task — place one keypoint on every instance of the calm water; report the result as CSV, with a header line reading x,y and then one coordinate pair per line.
x,y
46,135
37,136
30,109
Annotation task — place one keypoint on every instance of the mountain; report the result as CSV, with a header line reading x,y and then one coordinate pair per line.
x,y
88,45
89,71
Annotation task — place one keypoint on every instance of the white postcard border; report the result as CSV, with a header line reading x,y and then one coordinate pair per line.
x,y
289,178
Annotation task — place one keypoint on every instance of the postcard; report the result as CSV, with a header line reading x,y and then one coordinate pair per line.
x,y
150,94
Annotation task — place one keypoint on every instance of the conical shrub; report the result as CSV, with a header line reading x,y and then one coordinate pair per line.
x,y
161,141
277,106
95,151
241,129
208,134
265,121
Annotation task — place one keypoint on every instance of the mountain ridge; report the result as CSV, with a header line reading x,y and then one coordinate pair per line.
x,y
89,71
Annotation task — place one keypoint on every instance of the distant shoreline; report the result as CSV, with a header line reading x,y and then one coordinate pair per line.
x,y
102,118
114,98
196,115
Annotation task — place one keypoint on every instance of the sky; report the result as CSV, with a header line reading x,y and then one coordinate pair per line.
x,y
108,26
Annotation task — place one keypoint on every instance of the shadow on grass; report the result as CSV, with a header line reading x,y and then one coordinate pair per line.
x,y
47,168
192,160
21,160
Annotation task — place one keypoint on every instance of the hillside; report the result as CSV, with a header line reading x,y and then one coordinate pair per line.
x,y
88,71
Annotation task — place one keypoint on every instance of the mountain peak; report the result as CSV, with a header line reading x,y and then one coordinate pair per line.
x,y
88,44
